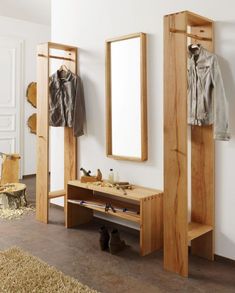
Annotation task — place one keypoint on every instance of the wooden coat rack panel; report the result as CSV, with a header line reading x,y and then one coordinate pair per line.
x,y
70,142
179,29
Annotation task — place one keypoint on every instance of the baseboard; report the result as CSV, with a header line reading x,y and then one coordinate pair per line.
x,y
29,176
57,206
223,259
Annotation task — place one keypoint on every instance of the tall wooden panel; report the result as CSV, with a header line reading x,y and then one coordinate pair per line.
x,y
178,29
203,153
70,142
42,134
175,146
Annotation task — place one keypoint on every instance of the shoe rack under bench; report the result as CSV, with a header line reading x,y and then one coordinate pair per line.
x,y
140,205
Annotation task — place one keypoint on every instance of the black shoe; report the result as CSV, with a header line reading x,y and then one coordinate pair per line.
x,y
104,238
115,243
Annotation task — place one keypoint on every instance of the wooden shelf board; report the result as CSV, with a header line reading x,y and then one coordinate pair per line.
x,y
196,230
123,215
138,193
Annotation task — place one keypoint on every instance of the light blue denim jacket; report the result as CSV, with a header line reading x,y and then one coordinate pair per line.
x,y
207,103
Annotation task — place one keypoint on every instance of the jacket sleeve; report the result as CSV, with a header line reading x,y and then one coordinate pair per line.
x,y
79,110
221,125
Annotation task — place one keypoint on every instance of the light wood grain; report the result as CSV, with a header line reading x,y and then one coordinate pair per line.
x,y
192,36
77,215
42,179
61,46
55,194
151,228
144,101
195,20
137,193
108,105
175,146
118,214
143,98
203,246
123,38
145,200
200,232
32,123
196,230
70,142
203,170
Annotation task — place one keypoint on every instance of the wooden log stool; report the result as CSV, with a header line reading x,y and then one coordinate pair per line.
x,y
13,196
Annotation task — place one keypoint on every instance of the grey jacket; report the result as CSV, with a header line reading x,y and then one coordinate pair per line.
x,y
207,103
66,101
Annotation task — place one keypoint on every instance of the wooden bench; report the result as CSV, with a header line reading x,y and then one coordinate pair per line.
x,y
140,205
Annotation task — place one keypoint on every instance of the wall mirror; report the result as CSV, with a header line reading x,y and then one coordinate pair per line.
x,y
126,98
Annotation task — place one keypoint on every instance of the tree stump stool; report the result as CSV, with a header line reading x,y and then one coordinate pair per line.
x,y
13,196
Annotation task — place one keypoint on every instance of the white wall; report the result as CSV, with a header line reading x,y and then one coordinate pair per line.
x,y
86,24
32,34
38,11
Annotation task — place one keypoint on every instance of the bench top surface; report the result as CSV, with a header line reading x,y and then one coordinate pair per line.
x,y
137,193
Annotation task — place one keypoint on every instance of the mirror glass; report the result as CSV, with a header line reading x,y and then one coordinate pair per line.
x,y
126,98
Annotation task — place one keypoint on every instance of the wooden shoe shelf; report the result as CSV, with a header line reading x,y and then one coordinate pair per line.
x,y
141,205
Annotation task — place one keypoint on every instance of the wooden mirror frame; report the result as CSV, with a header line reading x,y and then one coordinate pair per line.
x,y
143,98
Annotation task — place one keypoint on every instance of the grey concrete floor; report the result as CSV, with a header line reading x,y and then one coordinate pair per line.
x,y
76,253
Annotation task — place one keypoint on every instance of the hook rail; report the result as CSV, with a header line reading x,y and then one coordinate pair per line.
x,y
56,57
173,30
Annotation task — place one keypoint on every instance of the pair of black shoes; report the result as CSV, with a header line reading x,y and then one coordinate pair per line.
x,y
112,241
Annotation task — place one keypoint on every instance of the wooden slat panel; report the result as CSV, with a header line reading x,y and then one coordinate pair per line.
x,y
42,135
175,146
203,153
151,227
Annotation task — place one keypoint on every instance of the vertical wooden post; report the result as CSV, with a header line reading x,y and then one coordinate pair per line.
x,y
42,180
70,142
151,232
177,232
175,146
203,153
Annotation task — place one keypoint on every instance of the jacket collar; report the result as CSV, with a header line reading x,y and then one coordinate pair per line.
x,y
193,51
66,77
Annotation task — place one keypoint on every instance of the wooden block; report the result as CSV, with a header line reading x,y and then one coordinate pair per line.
x,y
85,179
